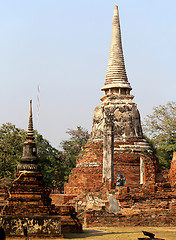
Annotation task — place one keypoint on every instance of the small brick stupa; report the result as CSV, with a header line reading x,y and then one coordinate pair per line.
x,y
29,203
116,144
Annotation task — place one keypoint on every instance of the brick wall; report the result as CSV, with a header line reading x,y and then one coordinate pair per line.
x,y
172,172
59,199
145,205
150,218
30,197
87,176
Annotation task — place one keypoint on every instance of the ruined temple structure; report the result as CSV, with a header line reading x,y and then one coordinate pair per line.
x,y
29,203
116,144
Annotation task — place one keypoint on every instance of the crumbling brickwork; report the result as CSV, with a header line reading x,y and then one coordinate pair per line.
x,y
87,176
150,218
22,196
172,172
117,144
29,201
146,205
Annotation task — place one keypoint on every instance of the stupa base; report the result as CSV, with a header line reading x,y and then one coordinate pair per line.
x,y
36,225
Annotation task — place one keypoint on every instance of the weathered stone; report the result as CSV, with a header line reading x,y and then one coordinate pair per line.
x,y
126,121
36,225
148,198
108,146
114,205
116,143
116,73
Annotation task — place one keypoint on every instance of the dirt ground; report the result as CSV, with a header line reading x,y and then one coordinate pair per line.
x,y
116,233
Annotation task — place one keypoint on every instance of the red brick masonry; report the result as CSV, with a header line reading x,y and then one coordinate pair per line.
x,y
87,176
30,197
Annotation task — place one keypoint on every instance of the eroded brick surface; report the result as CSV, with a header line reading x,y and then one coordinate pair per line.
x,y
150,218
172,172
87,176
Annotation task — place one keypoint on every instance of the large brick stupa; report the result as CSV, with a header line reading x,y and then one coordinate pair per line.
x,y
116,144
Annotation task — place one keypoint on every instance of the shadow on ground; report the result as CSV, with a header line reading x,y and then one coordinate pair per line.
x,y
94,233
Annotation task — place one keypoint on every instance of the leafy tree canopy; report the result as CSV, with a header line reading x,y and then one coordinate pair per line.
x,y
55,165
50,164
72,147
160,127
11,145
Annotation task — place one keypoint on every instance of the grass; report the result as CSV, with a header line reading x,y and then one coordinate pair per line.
x,y
117,233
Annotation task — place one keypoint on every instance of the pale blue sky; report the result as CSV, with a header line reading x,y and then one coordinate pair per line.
x,y
64,47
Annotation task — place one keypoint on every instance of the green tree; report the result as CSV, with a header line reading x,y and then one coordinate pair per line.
x,y
11,148
72,147
11,145
160,127
55,165
51,163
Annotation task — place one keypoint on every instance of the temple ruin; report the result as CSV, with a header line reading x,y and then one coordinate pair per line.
x,y
29,203
117,147
116,144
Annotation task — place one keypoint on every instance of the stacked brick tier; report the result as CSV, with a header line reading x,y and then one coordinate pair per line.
x,y
87,176
29,200
30,197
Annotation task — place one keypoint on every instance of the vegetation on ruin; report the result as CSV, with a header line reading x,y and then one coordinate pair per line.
x,y
160,128
55,165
